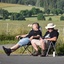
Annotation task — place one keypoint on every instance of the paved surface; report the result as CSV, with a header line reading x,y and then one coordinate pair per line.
x,y
7,45
25,59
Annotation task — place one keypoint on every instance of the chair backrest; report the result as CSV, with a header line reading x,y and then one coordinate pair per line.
x,y
57,32
52,44
57,36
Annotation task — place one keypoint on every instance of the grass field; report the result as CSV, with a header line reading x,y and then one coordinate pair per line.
x,y
16,7
21,27
15,26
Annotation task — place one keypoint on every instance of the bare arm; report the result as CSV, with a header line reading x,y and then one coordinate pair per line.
x,y
34,37
38,36
24,35
52,39
21,36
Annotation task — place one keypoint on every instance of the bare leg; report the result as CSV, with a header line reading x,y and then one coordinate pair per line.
x,y
36,52
43,51
15,47
42,45
34,46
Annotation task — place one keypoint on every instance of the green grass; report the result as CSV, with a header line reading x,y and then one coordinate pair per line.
x,y
16,7
21,27
8,42
15,27
1,51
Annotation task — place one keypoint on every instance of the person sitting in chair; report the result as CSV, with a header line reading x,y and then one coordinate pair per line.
x,y
35,33
50,35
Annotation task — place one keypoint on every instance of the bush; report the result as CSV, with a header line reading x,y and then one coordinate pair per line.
x,y
26,13
1,17
57,11
17,16
62,18
4,13
36,11
60,11
6,37
41,16
20,17
60,48
11,36
50,19
48,11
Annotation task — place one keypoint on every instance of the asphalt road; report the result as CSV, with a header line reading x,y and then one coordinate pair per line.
x,y
26,59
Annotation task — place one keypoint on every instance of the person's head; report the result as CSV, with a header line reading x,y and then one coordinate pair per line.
x,y
35,26
50,27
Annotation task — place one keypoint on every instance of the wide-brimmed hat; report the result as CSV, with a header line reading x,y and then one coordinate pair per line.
x,y
50,25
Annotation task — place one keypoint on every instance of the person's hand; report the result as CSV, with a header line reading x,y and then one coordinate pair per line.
x,y
38,35
17,37
45,39
31,37
41,38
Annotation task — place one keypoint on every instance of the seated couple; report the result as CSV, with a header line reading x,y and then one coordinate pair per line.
x,y
35,38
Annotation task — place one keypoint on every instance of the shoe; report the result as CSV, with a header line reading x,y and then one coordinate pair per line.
x,y
43,53
36,53
7,50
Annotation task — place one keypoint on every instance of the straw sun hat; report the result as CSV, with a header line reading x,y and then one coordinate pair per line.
x,y
50,25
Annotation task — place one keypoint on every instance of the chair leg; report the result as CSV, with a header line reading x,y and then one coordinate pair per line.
x,y
54,49
26,48
51,44
29,50
48,49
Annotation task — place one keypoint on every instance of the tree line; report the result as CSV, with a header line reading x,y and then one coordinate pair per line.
x,y
47,4
4,14
25,2
54,4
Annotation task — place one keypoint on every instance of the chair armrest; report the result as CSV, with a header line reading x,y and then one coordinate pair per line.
x,y
20,37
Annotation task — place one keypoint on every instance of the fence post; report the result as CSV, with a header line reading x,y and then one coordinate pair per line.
x,y
7,28
63,31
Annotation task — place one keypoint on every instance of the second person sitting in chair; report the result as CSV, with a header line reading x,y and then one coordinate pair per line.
x,y
35,33
50,35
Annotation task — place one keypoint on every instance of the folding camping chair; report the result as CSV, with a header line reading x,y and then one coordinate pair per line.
x,y
53,45
26,47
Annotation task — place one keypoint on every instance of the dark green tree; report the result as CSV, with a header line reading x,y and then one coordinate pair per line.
x,y
54,12
4,13
36,11
17,16
41,16
48,11
62,18
50,19
60,4
26,13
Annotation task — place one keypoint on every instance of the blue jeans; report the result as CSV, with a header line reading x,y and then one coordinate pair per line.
x,y
24,41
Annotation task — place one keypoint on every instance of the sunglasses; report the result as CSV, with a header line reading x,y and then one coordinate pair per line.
x,y
49,28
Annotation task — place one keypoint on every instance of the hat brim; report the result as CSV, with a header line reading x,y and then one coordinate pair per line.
x,y
50,26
